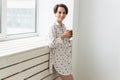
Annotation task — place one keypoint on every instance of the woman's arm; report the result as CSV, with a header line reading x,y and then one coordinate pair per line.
x,y
54,41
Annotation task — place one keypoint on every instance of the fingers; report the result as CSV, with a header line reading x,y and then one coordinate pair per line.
x,y
68,33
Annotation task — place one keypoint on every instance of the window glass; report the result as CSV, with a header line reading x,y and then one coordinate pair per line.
x,y
21,16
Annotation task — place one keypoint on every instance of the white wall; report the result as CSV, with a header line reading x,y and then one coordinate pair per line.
x,y
46,15
96,48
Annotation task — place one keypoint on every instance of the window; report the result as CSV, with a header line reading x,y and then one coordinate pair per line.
x,y
0,14
2,18
20,18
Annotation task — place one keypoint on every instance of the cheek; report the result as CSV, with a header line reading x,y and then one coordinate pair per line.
x,y
57,15
63,17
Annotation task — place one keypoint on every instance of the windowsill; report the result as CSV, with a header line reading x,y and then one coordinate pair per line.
x,y
20,45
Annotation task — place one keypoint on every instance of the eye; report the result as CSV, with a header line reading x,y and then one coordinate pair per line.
x,y
64,12
59,12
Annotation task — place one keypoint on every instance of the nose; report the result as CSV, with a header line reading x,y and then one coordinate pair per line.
x,y
62,14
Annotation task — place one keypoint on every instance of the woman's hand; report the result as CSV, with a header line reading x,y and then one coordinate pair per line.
x,y
67,34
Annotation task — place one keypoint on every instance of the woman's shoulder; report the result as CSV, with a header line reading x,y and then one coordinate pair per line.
x,y
53,27
56,26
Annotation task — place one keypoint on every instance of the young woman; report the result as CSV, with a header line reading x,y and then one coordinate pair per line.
x,y
60,45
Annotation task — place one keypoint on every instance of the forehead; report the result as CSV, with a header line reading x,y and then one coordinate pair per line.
x,y
61,9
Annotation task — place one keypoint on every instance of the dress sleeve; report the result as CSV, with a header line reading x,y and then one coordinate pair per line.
x,y
54,41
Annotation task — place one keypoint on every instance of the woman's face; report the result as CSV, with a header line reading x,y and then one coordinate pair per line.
x,y
60,14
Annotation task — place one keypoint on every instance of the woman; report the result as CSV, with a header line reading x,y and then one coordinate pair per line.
x,y
60,45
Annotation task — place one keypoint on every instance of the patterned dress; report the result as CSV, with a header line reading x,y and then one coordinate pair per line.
x,y
60,50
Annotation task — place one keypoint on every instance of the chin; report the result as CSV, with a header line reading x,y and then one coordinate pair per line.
x,y
59,21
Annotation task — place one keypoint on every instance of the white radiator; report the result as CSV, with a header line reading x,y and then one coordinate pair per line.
x,y
28,65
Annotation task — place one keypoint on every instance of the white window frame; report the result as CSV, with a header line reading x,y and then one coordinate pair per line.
x,y
3,19
3,34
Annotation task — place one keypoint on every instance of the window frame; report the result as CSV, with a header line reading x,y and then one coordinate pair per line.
x,y
3,19
0,14
4,35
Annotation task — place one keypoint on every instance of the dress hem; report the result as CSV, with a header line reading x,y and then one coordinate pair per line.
x,y
60,72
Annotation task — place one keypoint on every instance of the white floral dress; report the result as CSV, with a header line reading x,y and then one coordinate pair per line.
x,y
60,50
